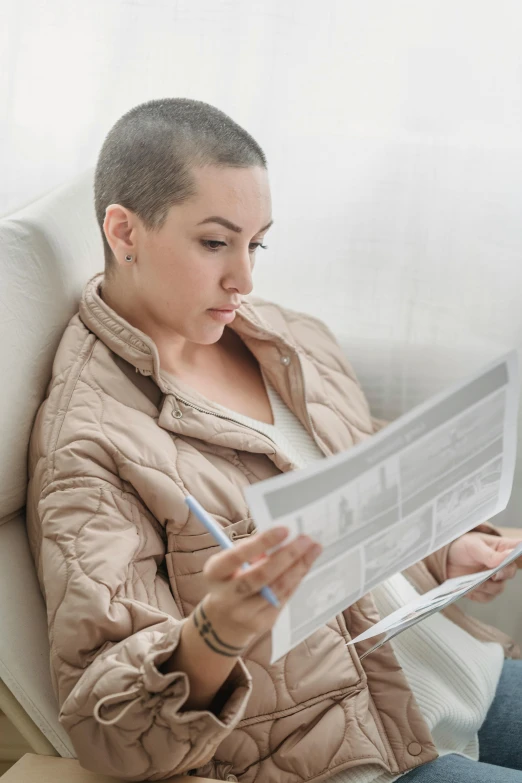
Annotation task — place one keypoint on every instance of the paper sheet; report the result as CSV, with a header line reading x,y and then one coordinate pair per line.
x,y
433,601
422,481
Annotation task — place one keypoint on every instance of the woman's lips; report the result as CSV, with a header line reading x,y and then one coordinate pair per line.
x,y
222,316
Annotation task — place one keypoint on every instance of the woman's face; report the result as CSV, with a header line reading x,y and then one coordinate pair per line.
x,y
189,276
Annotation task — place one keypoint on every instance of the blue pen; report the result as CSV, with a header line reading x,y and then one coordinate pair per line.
x,y
223,540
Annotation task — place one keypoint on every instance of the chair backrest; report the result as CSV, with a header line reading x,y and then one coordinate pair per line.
x,y
47,252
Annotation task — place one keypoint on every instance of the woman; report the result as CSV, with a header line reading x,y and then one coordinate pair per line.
x,y
167,383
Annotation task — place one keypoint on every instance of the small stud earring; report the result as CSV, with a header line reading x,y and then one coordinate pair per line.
x,y
128,258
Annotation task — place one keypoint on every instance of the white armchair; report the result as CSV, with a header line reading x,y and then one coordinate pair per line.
x,y
48,250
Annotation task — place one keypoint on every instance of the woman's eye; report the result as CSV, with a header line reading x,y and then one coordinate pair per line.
x,y
208,243
214,244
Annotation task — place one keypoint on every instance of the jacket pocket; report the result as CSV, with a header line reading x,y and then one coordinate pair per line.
x,y
189,553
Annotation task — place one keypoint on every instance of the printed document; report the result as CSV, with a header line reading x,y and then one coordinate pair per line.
x,y
433,601
425,479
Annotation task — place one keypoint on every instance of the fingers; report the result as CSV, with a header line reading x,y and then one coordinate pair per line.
x,y
286,584
224,565
495,542
486,553
505,573
494,586
271,568
487,591
507,543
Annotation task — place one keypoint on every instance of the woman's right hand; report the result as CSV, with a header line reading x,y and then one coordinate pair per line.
x,y
233,605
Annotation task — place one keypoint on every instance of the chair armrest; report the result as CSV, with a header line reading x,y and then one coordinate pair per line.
x,y
512,532
49,769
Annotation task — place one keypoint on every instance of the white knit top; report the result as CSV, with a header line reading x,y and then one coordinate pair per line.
x,y
452,675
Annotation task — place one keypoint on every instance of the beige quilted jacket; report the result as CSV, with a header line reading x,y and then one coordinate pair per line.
x,y
114,450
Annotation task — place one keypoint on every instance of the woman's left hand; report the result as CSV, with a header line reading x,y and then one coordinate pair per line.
x,y
475,552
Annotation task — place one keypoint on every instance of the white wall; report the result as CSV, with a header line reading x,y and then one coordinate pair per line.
x,y
393,130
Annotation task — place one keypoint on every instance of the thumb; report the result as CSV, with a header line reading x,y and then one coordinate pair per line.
x,y
486,555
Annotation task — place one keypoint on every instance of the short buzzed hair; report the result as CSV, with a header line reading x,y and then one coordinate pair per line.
x,y
146,159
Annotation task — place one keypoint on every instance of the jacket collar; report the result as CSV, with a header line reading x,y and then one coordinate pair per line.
x,y
183,409
138,349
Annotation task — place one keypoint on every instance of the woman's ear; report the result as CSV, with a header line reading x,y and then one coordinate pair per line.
x,y
119,228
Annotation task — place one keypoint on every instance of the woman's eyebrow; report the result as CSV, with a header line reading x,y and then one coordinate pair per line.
x,y
232,226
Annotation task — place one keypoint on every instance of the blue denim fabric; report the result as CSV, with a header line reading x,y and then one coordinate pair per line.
x,y
500,742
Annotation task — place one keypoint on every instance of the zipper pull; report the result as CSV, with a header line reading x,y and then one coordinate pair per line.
x,y
176,411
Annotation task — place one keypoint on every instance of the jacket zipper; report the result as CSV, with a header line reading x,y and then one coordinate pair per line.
x,y
228,418
219,415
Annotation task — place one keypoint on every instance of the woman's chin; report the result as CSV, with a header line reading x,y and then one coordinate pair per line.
x,y
209,334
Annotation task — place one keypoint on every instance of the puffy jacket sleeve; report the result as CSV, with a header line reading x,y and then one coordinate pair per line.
x,y
112,622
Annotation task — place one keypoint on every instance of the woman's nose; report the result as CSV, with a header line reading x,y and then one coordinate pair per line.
x,y
239,276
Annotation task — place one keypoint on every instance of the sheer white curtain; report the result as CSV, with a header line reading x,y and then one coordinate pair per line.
x,y
393,130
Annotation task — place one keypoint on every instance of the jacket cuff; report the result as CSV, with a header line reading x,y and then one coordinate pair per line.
x,y
131,688
124,702
237,686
